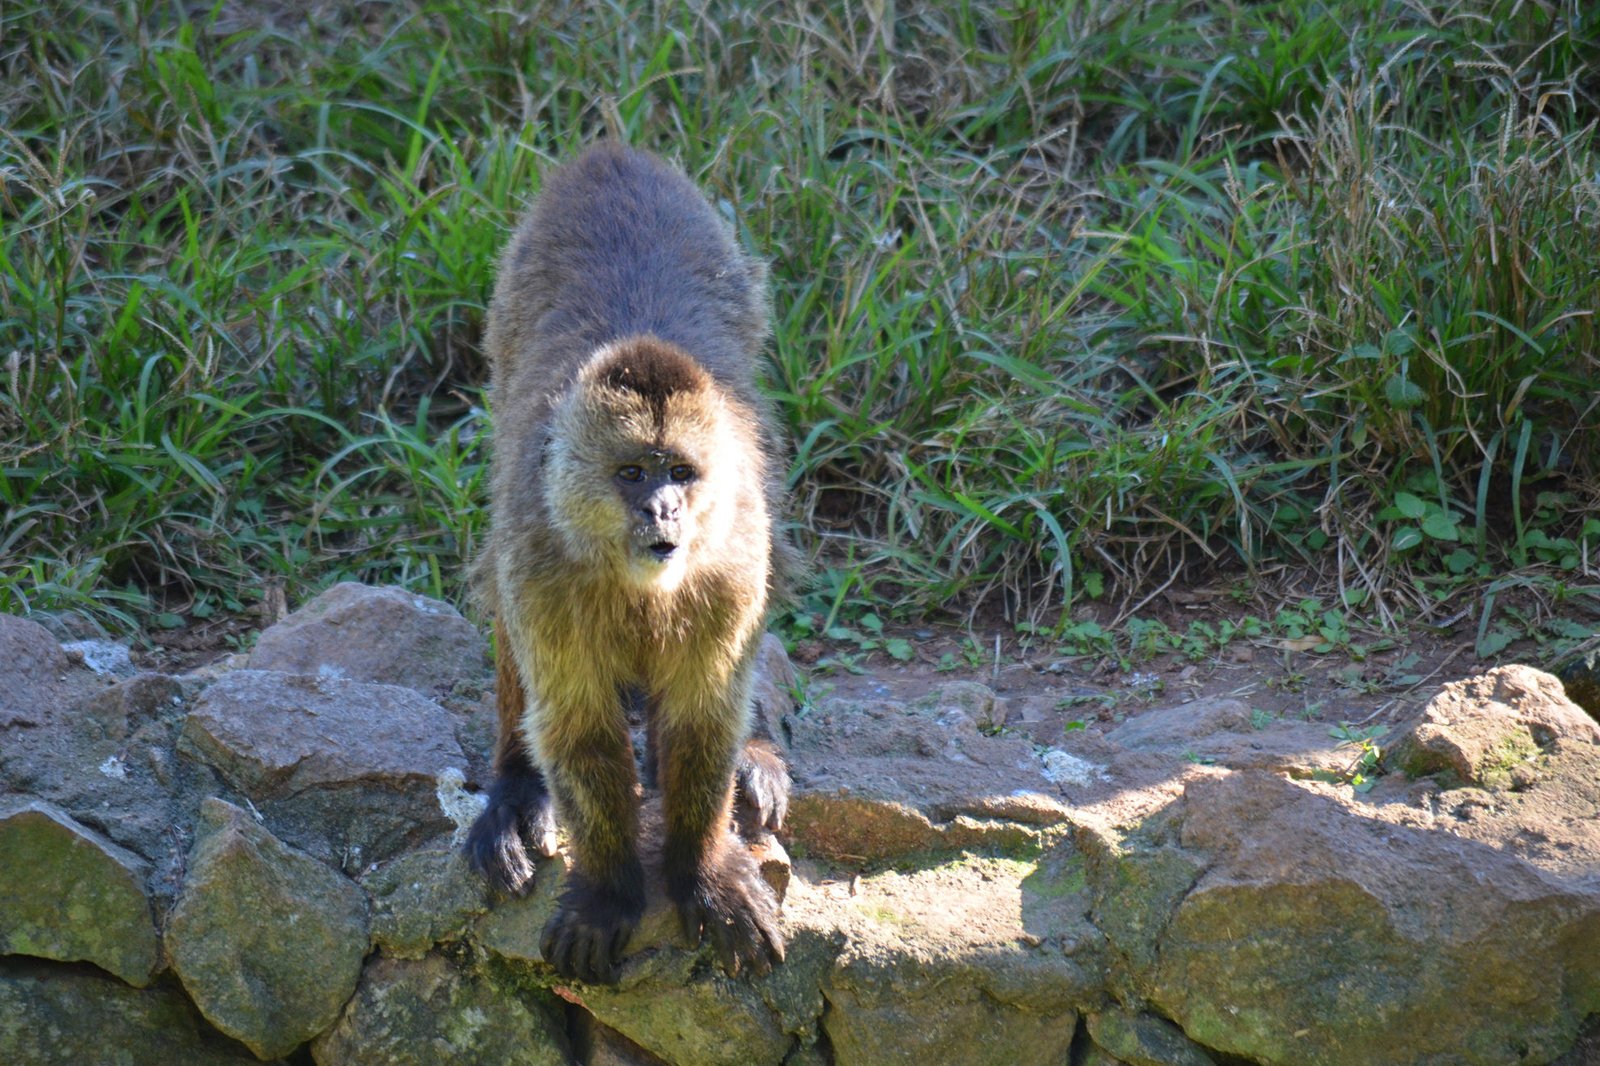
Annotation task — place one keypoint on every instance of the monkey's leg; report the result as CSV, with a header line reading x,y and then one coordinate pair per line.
x,y
519,803
761,789
589,761
711,878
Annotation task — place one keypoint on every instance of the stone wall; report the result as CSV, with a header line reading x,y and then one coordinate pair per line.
x,y
259,862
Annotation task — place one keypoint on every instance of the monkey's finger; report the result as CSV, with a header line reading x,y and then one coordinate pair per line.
x,y
540,830
780,808
689,916
724,940
740,936
756,791
771,935
617,943
754,953
514,873
556,944
758,963
597,957
546,843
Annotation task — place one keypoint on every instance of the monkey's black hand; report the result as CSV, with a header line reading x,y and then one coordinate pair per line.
x,y
519,805
761,798
730,903
585,937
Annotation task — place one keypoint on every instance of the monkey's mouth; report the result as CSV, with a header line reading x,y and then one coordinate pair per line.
x,y
656,544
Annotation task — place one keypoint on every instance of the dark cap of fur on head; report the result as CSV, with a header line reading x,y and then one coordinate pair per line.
x,y
653,370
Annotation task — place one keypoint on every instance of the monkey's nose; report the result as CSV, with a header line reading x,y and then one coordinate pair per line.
x,y
660,511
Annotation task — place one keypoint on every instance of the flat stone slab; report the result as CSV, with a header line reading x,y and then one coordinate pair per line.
x,y
68,893
875,779
423,898
342,768
979,960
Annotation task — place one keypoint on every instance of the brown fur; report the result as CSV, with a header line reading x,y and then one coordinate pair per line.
x,y
633,550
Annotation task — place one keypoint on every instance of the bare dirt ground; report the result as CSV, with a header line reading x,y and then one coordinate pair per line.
x,y
1377,678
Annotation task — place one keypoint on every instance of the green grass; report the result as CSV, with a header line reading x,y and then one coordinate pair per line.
x,y
1070,297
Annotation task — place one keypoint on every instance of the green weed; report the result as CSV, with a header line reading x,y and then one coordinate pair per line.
x,y
1069,297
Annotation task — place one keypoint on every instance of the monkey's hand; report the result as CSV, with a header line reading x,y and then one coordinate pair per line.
x,y
761,798
730,903
585,937
519,806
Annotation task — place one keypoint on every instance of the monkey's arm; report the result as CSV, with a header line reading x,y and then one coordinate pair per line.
x,y
581,733
519,804
760,784
710,877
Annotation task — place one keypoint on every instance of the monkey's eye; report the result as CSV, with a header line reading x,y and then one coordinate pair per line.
x,y
681,473
631,473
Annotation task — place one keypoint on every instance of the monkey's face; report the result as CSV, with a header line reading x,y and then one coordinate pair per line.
x,y
629,496
655,489
643,465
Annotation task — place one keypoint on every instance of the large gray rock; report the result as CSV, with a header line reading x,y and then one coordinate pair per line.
x,y
1489,731
384,635
597,1045
423,898
1218,732
683,1018
35,671
512,928
896,1016
67,893
129,708
1318,931
52,1015
266,940
879,778
103,753
975,960
428,1012
347,770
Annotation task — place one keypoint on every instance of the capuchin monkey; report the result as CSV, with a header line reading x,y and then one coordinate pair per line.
x,y
632,556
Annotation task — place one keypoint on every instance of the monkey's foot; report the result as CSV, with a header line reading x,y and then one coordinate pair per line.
x,y
519,806
761,796
585,937
731,903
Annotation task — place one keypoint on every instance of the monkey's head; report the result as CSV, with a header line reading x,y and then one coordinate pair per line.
x,y
637,466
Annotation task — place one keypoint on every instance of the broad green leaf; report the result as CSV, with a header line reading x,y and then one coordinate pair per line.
x,y
1440,526
1405,537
